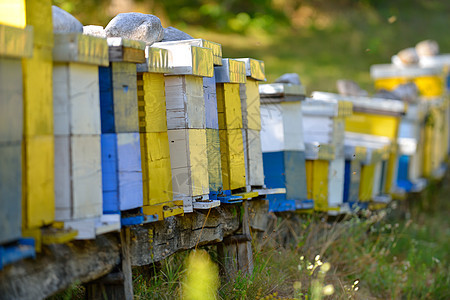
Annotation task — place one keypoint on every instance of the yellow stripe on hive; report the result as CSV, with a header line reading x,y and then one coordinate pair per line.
x,y
152,103
229,106
320,184
381,125
366,182
253,104
429,86
156,168
38,197
198,161
233,161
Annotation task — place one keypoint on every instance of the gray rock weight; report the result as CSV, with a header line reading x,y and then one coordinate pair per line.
x,y
136,26
63,22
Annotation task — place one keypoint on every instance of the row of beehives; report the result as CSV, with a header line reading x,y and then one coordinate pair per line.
x,y
102,133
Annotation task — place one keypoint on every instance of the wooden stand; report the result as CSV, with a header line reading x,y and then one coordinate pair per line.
x,y
119,283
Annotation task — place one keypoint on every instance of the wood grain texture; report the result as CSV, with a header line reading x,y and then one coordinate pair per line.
x,y
294,162
188,157
185,102
63,264
10,191
11,100
209,91
76,105
151,102
38,93
336,174
250,104
156,168
317,183
366,182
78,178
130,171
39,15
38,194
118,97
214,159
254,159
229,106
182,233
233,161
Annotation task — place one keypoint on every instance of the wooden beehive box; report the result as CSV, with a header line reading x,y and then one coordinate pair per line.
x,y
120,140
185,107
430,82
155,153
228,77
324,124
76,109
15,43
375,116
283,145
251,121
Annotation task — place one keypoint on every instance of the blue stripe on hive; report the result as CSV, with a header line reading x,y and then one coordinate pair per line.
x,y
106,100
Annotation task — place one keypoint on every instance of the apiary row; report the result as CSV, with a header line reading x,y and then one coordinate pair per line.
x,y
101,133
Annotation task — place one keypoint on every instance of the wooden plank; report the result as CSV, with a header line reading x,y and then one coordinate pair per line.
x,y
295,174
78,178
250,104
366,185
185,102
156,168
76,106
130,171
38,99
188,157
272,128
336,171
229,106
233,161
151,102
118,97
355,177
39,15
381,125
78,261
156,241
320,184
11,100
109,173
209,91
38,198
214,159
10,191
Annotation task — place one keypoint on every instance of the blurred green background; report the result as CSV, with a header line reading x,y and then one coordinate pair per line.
x,y
320,40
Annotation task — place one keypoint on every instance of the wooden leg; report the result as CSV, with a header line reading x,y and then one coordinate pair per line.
x,y
235,252
119,283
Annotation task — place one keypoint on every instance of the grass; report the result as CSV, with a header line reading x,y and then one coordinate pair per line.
x,y
381,255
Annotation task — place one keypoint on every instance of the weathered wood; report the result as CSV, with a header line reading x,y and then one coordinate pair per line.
x,y
119,283
60,267
245,253
156,241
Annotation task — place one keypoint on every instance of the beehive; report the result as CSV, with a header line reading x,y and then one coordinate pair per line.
x,y
228,77
76,111
15,43
185,107
324,125
155,154
251,121
120,140
378,117
283,145
431,86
